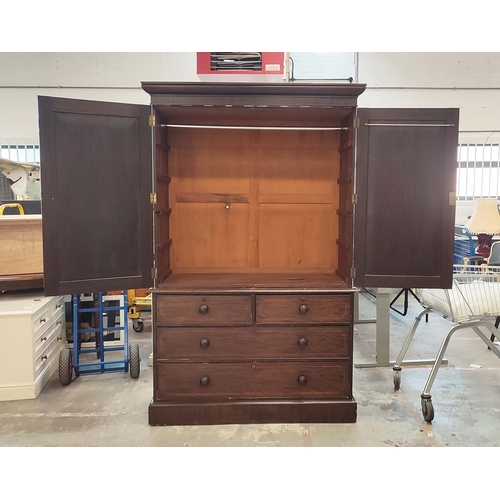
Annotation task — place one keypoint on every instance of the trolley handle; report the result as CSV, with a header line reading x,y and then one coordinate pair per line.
x,y
12,205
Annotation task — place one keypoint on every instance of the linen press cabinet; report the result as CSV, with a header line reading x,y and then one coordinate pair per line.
x,y
266,206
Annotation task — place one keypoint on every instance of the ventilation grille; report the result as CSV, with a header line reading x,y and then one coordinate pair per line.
x,y
236,61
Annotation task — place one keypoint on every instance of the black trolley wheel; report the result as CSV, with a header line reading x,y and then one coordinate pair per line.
x,y
138,325
134,360
65,366
397,379
427,409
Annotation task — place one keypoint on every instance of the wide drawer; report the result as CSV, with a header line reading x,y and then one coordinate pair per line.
x,y
225,381
298,309
212,344
203,310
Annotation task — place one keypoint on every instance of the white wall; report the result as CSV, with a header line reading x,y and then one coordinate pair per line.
x,y
469,81
323,65
98,76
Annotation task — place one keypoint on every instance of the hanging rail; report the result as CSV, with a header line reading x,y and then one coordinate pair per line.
x,y
409,124
251,128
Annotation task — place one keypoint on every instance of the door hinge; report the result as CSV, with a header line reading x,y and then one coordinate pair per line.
x,y
354,198
352,273
152,198
152,120
453,199
154,273
355,123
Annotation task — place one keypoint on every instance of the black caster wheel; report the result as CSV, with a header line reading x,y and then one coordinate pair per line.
x,y
397,379
138,325
65,366
134,360
427,409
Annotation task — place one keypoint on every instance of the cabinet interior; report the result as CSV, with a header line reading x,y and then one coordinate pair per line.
x,y
253,199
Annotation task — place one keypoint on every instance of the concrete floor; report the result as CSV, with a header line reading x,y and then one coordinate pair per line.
x,y
110,410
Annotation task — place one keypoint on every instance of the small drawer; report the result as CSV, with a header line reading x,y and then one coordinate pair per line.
x,y
229,381
58,305
300,309
48,356
52,319
41,319
203,310
217,344
55,329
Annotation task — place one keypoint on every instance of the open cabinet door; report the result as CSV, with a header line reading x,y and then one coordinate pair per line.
x,y
96,184
406,164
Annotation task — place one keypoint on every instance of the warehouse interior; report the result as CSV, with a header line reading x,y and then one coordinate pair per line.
x,y
109,411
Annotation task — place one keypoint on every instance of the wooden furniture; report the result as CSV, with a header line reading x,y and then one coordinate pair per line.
x,y
251,348
32,333
21,252
271,202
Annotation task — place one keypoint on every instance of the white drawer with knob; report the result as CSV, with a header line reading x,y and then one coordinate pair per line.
x,y
32,333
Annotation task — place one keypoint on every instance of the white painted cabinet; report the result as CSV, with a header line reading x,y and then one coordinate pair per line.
x,y
32,333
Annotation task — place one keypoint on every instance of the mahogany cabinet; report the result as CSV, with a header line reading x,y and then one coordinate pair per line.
x,y
266,206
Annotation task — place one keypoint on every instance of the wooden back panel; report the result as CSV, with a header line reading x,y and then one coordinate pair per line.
x,y
253,200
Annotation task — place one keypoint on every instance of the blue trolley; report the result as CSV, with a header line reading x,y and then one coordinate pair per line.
x,y
70,360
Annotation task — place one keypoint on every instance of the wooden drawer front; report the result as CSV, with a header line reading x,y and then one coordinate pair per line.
x,y
212,344
203,310
303,308
253,380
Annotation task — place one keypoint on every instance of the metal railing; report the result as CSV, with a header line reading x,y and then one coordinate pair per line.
x,y
478,171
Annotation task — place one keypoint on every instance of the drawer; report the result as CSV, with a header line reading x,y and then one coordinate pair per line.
x,y
225,381
57,328
41,332
44,315
58,305
49,354
299,309
212,344
41,319
203,310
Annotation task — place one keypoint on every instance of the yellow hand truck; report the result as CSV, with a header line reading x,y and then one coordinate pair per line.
x,y
136,304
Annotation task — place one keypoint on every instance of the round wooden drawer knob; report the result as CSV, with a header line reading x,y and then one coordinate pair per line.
x,y
203,309
302,342
204,343
204,381
303,309
302,380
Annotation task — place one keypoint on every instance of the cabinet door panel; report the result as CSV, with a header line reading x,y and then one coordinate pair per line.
x,y
404,219
96,180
